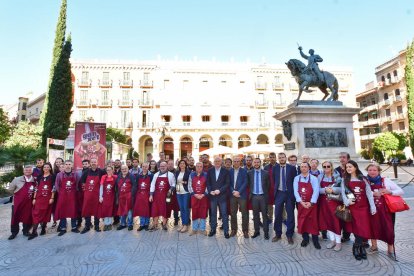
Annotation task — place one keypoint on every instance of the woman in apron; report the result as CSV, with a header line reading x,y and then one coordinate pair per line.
x,y
306,190
43,200
328,221
123,187
361,204
107,197
142,206
383,221
197,187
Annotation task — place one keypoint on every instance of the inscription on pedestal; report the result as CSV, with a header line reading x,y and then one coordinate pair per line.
x,y
325,138
289,146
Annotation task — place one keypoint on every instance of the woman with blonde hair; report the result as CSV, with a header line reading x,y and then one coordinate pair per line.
x,y
327,205
383,221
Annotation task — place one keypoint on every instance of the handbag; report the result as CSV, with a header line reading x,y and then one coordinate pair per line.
x,y
332,196
396,203
343,213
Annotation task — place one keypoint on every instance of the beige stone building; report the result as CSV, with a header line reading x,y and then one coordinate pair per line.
x,y
384,103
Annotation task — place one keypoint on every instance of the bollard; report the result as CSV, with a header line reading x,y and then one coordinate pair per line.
x,y
395,166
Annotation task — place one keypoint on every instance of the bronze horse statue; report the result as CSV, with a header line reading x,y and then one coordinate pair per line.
x,y
306,78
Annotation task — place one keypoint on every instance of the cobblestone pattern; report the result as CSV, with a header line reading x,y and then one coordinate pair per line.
x,y
171,253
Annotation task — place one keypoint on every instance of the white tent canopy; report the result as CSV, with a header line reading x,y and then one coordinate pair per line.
x,y
262,148
219,150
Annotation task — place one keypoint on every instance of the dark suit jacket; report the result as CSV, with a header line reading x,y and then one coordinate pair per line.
x,y
265,182
222,183
290,176
185,178
241,182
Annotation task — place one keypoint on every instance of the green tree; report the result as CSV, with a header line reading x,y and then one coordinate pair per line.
x,y
58,112
59,42
409,81
386,142
402,140
5,127
20,155
25,135
117,135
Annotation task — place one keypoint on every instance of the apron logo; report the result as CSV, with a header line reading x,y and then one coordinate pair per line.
x,y
108,187
68,183
198,182
124,185
91,182
31,188
357,189
143,184
303,190
45,187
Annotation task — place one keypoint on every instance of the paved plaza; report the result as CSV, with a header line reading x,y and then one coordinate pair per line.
x,y
170,253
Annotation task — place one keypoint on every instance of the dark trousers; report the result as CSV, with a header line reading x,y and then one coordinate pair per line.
x,y
305,237
282,200
14,229
214,202
63,223
358,240
259,204
237,203
88,222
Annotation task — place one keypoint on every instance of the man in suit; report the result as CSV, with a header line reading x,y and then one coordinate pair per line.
x,y
259,183
269,169
293,160
284,175
218,182
238,197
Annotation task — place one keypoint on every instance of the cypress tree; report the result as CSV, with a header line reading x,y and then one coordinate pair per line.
x,y
57,50
57,118
409,81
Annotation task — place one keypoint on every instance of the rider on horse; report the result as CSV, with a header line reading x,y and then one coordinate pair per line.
x,y
313,63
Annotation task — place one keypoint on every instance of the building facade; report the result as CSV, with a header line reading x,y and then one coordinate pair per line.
x,y
183,108
384,105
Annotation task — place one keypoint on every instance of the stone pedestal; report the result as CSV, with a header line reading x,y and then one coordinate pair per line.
x,y
319,129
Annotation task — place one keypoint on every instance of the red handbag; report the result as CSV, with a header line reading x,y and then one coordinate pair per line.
x,y
396,203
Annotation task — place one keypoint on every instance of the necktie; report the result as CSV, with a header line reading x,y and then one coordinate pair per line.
x,y
284,179
256,181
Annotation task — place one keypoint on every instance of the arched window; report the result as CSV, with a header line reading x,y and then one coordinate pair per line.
x,y
397,92
385,96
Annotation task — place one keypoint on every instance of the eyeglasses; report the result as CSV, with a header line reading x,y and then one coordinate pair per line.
x,y
326,167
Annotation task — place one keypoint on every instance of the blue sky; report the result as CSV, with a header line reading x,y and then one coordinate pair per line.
x,y
354,33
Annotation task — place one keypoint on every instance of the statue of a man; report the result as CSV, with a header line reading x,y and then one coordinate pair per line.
x,y
313,62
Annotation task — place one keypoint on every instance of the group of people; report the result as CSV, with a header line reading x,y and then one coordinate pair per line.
x,y
198,190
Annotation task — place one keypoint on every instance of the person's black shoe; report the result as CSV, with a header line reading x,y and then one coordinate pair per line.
x,y
26,233
365,245
355,252
43,232
58,229
324,236
255,235
362,252
97,229
120,227
304,243
164,227
12,236
61,233
75,230
140,228
345,240
85,230
146,227
316,244
130,228
32,236
226,235
212,233
266,236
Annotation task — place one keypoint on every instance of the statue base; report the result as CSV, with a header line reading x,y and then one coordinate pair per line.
x,y
320,129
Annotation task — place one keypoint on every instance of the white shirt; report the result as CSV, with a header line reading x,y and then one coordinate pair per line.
x,y
171,180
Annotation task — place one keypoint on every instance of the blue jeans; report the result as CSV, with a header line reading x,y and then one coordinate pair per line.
x,y
144,221
108,220
124,219
222,203
184,203
199,225
63,223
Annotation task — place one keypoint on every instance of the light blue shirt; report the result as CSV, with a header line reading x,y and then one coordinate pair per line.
x,y
217,173
260,182
315,186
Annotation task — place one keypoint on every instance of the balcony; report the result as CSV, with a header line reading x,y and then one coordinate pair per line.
x,y
395,79
146,84
146,103
388,82
145,125
105,83
398,98
260,86
370,136
126,83
84,83
278,86
126,124
125,103
279,104
83,103
261,104
400,116
105,103
386,102
387,119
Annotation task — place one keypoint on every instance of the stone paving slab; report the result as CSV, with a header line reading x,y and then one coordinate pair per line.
x,y
172,253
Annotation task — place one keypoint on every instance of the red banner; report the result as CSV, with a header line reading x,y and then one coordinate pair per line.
x,y
90,141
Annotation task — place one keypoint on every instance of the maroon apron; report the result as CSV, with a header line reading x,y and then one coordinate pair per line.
x,y
66,205
125,195
360,211
159,205
199,207
271,200
142,204
307,218
91,196
42,210
327,208
381,223
22,205
173,205
106,208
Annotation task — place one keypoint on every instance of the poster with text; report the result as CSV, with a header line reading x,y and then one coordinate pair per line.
x,y
90,141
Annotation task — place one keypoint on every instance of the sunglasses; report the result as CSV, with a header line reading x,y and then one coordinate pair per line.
x,y
326,167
